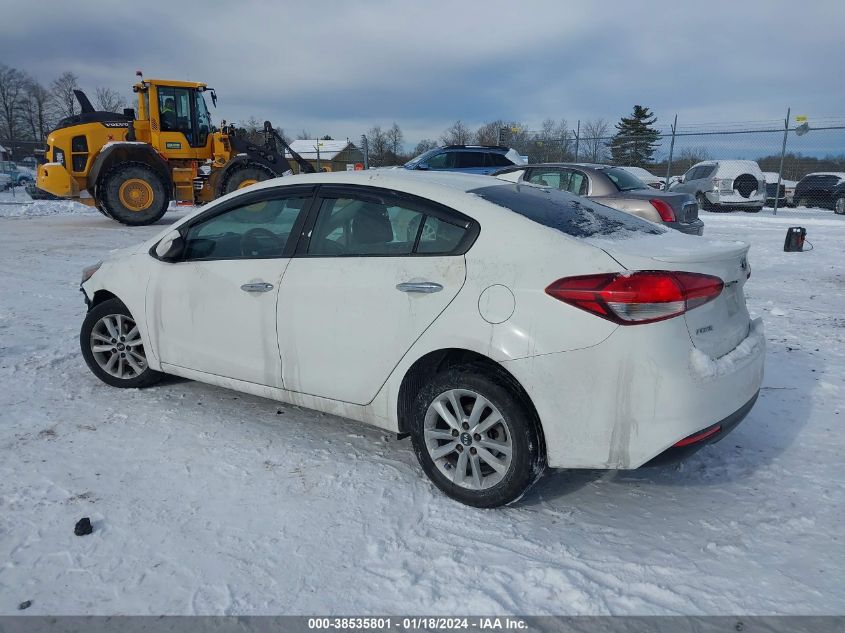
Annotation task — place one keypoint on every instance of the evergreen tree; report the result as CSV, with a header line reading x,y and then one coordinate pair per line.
x,y
635,140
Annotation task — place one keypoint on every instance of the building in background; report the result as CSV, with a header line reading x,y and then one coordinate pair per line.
x,y
333,155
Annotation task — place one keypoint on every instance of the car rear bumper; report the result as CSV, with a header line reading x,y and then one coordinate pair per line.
x,y
734,201
696,441
628,399
696,227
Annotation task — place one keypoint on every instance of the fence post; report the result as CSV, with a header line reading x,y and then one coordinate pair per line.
x,y
671,151
577,139
782,154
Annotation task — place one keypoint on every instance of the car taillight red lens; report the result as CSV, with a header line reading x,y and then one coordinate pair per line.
x,y
665,211
632,298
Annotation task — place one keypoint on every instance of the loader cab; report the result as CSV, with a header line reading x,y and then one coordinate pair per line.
x,y
179,120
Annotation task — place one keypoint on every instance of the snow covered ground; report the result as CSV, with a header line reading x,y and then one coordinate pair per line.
x,y
209,501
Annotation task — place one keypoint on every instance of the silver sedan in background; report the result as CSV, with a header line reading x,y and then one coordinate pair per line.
x,y
614,187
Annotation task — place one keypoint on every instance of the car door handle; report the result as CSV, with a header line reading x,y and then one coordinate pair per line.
x,y
419,286
259,286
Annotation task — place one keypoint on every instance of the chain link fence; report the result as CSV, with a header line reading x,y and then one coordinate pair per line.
x,y
785,151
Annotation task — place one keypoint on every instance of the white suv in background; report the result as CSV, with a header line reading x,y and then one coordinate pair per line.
x,y
725,185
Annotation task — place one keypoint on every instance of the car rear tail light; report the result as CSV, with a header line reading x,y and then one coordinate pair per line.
x,y
665,211
632,298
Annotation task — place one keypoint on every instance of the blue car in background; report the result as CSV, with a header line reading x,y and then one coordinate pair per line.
x,y
471,159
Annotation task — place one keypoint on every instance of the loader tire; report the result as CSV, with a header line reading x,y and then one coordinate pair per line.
x,y
133,194
248,174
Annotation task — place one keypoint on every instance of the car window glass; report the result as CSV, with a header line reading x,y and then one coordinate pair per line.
x,y
577,184
174,107
439,236
624,180
259,230
443,160
350,227
497,160
706,171
545,177
578,217
690,175
467,160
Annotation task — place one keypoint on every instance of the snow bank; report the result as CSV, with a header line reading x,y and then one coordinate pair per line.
x,y
37,208
706,367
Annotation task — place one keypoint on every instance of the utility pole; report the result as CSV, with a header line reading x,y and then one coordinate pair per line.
x,y
671,151
782,153
577,139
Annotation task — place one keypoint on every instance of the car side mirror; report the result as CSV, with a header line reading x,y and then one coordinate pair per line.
x,y
170,248
423,166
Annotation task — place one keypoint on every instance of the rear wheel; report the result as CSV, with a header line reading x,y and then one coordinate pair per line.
x,y
803,202
133,194
753,209
249,174
475,439
112,347
703,203
839,205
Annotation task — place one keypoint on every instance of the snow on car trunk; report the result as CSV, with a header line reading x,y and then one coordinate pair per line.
x,y
718,326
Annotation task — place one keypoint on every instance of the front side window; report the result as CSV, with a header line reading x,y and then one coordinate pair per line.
x,y
497,160
349,227
174,108
443,160
203,119
259,230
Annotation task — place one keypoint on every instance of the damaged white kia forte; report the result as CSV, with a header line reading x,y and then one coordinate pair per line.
x,y
505,328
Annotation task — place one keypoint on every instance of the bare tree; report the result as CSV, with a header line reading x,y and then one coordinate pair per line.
x,y
595,135
395,140
253,130
456,134
109,100
303,135
12,86
378,146
36,110
64,101
689,156
425,145
488,134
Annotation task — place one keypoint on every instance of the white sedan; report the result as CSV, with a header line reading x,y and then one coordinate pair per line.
x,y
506,328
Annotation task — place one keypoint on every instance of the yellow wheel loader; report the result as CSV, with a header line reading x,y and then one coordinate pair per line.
x,y
131,167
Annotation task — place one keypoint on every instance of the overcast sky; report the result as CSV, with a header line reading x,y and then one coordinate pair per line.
x,y
339,67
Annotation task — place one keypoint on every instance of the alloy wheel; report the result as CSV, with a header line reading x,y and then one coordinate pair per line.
x,y
468,439
117,347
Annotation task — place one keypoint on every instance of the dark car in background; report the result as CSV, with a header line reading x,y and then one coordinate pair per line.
x,y
471,159
613,187
822,189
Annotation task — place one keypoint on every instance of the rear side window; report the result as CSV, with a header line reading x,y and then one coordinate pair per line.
x,y
823,182
497,160
466,160
563,212
546,178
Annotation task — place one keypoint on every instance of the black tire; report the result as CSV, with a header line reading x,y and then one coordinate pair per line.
x,y
109,194
839,205
527,458
753,209
803,201
87,339
239,175
703,203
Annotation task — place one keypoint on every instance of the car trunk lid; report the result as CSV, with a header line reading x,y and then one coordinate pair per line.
x,y
718,326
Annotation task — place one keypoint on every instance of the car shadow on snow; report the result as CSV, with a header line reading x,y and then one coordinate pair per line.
x,y
782,410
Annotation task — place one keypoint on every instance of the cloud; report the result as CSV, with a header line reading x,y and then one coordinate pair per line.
x,y
338,68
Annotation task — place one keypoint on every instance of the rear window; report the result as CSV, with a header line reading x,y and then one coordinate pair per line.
x,y
624,180
820,181
564,212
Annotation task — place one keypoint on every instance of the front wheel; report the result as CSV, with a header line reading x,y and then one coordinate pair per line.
x,y
839,205
244,176
112,347
475,438
133,194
